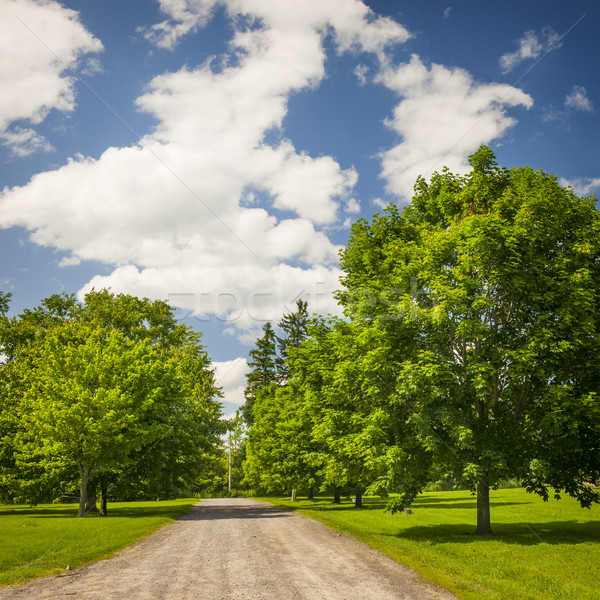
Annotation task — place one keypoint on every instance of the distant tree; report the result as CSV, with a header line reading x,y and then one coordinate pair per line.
x,y
4,302
294,327
351,430
279,447
487,290
279,437
263,370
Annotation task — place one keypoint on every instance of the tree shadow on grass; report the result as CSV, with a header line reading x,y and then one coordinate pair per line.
x,y
522,534
70,511
371,503
35,511
462,503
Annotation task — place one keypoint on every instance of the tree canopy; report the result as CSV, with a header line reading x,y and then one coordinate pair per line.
x,y
487,287
110,392
468,351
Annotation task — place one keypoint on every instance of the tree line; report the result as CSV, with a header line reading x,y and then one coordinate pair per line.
x,y
469,350
110,396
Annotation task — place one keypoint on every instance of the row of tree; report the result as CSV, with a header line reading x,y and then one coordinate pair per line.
x,y
111,395
469,350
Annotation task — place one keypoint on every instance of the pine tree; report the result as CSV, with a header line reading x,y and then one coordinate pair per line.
x,y
263,364
294,326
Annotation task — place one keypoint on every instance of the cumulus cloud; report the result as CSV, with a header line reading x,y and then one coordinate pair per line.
x,y
582,186
530,47
578,99
356,27
206,212
39,43
24,142
203,211
184,16
230,375
444,116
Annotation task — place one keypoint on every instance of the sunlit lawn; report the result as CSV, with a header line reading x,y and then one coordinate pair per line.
x,y
46,538
538,550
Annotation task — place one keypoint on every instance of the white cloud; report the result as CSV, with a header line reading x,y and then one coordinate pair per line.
x,y
24,142
39,43
361,74
185,16
230,375
447,12
69,261
582,186
531,46
578,99
355,25
194,211
443,117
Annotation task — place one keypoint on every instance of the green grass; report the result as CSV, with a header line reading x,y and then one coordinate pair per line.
x,y
539,550
46,538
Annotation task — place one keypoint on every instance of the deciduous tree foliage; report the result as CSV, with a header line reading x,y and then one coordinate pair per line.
x,y
87,395
278,445
112,391
487,290
351,433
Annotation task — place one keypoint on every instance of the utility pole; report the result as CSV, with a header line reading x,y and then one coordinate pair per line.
x,y
229,478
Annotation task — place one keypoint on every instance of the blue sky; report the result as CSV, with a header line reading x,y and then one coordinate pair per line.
x,y
213,153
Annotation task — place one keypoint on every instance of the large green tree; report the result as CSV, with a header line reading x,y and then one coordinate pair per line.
x,y
112,391
487,290
86,396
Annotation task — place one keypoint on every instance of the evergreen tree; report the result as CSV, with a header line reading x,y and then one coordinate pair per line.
x,y
294,326
263,365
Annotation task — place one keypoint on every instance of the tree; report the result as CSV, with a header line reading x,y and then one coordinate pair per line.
x,y
4,302
30,482
351,431
175,461
114,387
487,290
263,373
294,326
87,392
278,440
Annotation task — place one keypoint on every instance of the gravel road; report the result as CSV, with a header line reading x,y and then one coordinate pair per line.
x,y
238,549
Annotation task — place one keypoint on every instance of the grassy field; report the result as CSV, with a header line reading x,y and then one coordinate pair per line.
x,y
538,551
46,538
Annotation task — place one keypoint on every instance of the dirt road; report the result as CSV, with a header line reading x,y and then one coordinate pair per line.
x,y
237,549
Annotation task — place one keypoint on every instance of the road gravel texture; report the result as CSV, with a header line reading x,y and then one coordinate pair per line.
x,y
238,549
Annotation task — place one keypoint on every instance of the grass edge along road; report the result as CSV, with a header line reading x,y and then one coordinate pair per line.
x,y
45,539
539,550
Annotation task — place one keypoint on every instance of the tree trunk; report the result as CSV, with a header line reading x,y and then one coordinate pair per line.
x,y
484,526
294,494
336,495
311,494
84,473
90,503
358,503
103,494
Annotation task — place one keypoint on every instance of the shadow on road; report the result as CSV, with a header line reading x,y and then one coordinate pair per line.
x,y
206,511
